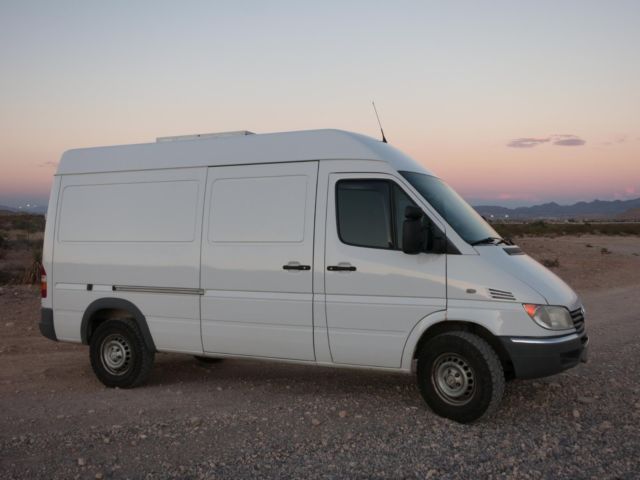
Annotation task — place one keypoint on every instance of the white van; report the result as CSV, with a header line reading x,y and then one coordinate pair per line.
x,y
318,247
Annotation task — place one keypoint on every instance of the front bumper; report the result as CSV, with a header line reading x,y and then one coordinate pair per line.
x,y
543,356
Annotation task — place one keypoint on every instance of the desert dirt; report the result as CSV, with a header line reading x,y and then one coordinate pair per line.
x,y
245,419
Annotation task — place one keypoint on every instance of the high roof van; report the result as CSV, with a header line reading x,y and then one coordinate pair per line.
x,y
317,247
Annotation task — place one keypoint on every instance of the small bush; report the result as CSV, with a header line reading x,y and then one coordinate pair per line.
x,y
32,272
605,251
588,245
551,263
4,245
28,223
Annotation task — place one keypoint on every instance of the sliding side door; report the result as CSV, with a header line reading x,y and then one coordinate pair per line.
x,y
257,260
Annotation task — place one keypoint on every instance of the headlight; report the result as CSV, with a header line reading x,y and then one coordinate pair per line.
x,y
551,318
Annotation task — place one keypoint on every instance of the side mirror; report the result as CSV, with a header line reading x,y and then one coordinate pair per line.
x,y
437,242
418,238
413,231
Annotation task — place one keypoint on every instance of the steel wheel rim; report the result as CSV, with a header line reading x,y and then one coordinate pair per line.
x,y
116,354
453,379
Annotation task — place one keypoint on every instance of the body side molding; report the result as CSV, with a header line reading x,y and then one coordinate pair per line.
x,y
170,290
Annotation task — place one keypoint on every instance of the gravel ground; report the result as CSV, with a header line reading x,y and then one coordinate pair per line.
x,y
240,419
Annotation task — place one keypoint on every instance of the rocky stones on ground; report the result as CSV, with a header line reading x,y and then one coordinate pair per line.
x,y
239,420
586,400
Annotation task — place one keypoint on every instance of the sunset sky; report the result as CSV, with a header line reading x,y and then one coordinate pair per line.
x,y
512,103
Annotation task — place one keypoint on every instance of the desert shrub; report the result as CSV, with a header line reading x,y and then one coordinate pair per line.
x,y
588,245
4,245
605,251
550,263
28,223
32,272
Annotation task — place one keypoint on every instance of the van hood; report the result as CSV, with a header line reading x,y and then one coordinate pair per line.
x,y
521,266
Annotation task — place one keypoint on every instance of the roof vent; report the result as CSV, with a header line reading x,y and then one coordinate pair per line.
x,y
199,136
501,294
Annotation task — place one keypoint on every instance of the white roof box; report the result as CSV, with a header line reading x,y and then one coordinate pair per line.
x,y
204,135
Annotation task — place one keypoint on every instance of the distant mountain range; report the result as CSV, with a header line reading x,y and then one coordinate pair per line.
x,y
597,209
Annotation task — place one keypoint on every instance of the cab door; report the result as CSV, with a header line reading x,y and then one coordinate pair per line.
x,y
257,260
375,293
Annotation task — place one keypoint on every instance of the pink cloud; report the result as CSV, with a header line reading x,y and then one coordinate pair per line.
x,y
617,139
561,140
627,193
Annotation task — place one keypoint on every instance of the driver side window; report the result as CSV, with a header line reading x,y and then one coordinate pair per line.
x,y
370,213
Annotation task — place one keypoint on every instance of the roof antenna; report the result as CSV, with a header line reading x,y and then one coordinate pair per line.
x,y
384,140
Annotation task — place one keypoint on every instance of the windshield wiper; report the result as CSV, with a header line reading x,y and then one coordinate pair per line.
x,y
490,241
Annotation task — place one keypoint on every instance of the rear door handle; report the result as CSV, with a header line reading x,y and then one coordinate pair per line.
x,y
343,267
296,266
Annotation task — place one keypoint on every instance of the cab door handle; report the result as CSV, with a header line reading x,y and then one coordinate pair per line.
x,y
295,266
341,268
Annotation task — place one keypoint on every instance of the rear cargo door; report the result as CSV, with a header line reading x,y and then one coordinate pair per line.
x,y
257,260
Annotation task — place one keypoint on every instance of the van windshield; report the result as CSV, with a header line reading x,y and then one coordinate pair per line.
x,y
458,213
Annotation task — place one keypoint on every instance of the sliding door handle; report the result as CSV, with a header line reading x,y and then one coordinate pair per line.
x,y
296,266
341,268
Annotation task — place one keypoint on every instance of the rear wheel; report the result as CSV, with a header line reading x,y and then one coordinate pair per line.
x,y
119,356
460,376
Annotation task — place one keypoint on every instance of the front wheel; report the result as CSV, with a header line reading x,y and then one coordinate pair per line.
x,y
460,376
119,356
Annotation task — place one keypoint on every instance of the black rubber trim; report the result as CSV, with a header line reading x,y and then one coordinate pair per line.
x,y
543,359
46,324
451,248
117,304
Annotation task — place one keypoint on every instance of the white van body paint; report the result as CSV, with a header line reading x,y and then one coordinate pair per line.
x,y
210,238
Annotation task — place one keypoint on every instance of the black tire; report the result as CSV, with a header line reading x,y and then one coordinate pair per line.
x,y
207,359
119,356
460,376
